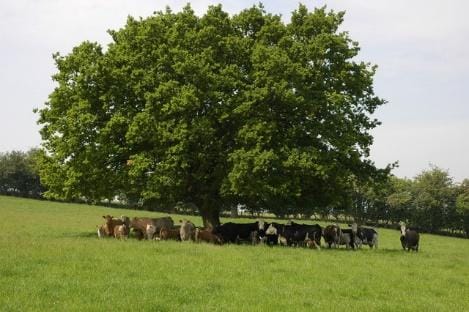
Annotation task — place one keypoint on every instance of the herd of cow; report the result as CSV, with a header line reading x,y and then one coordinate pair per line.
x,y
289,234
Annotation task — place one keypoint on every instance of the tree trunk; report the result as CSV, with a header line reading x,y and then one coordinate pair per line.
x,y
210,216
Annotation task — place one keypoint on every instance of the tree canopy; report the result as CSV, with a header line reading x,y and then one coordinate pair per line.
x,y
215,110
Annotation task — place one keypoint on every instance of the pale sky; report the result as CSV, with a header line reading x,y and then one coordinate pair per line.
x,y
421,48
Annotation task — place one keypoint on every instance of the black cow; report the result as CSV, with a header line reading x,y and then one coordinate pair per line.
x,y
237,232
367,236
297,234
332,234
409,238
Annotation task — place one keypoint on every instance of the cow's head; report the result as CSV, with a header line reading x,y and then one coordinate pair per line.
x,y
271,230
187,224
151,229
107,217
403,229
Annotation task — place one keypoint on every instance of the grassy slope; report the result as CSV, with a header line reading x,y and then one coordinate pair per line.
x,y
50,259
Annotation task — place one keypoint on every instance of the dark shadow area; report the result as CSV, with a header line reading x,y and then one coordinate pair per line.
x,y
80,234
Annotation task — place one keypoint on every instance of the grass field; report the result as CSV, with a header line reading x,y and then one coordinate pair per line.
x,y
52,260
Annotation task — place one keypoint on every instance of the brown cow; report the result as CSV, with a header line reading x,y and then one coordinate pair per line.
x,y
166,234
139,225
207,236
110,223
121,231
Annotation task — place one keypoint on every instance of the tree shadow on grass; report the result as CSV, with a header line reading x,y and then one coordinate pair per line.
x,y
395,251
90,234
391,251
87,234
365,250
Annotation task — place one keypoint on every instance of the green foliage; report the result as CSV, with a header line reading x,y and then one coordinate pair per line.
x,y
399,199
19,174
430,201
433,198
214,110
462,204
51,259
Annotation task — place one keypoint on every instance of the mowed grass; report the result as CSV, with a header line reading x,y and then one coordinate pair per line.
x,y
52,260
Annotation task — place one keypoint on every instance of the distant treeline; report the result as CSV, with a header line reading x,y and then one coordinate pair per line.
x,y
19,175
431,201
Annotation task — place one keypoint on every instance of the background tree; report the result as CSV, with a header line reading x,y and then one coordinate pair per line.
x,y
462,205
18,174
215,110
399,200
433,199
370,202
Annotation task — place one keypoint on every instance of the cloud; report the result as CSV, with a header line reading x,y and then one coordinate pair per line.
x,y
416,145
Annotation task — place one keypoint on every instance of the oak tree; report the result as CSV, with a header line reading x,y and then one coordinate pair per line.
x,y
215,110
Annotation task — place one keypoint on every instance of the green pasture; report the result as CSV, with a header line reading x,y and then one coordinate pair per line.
x,y
52,260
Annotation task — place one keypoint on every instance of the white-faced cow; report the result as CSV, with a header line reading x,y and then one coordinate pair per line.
x,y
187,230
271,234
409,238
